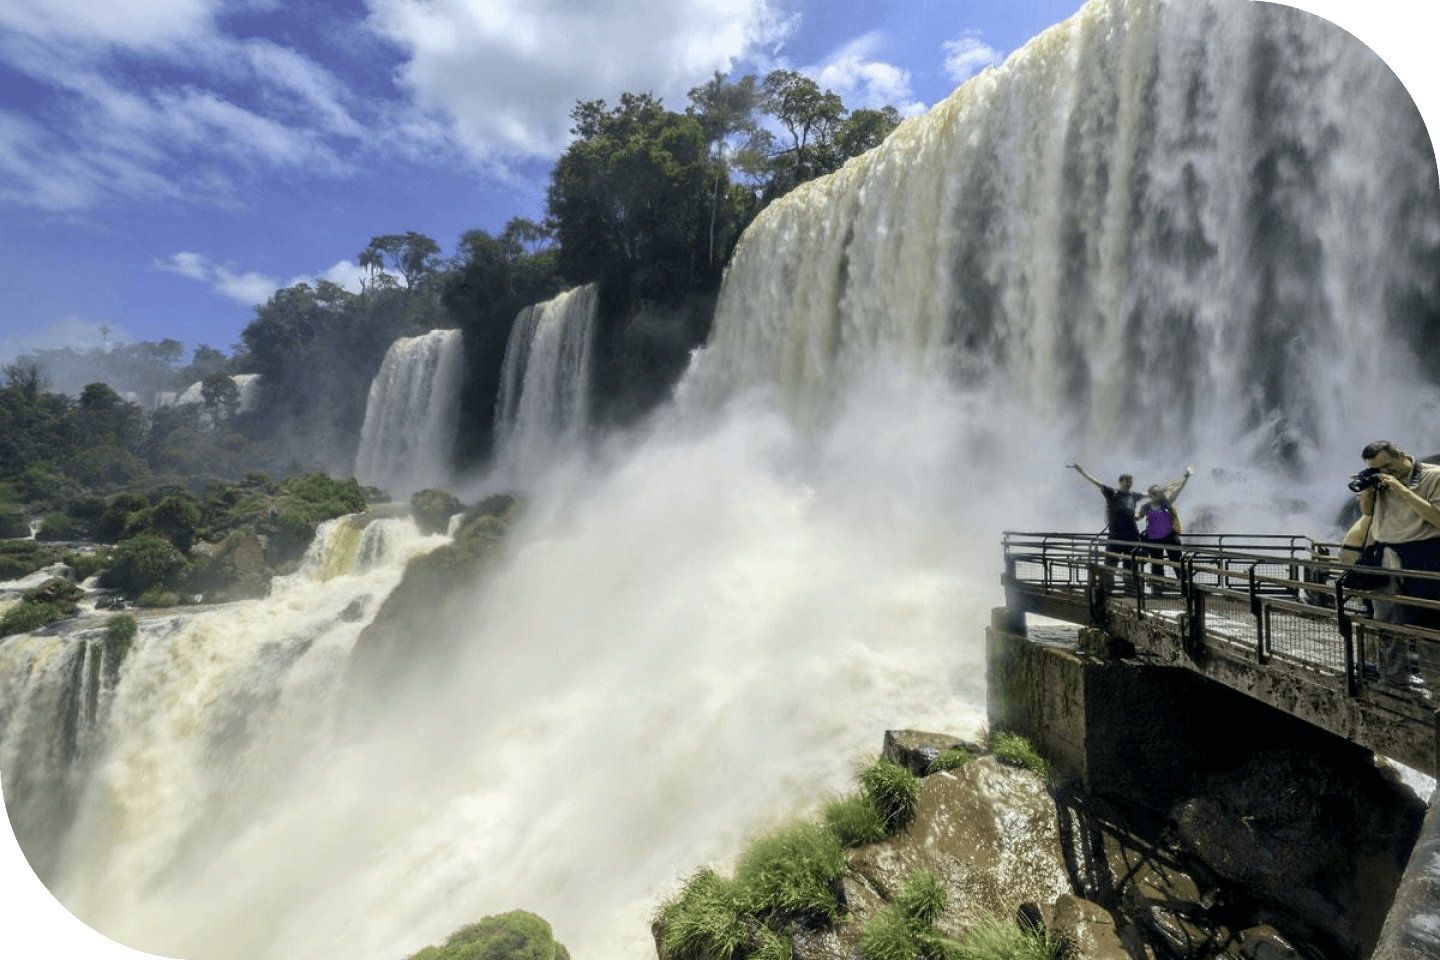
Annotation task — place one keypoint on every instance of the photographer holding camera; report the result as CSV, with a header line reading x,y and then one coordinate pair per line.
x,y
1400,504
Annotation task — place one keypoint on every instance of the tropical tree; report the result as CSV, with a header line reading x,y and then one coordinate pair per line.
x,y
627,199
810,116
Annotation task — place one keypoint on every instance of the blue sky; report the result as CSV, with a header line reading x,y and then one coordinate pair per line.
x,y
167,164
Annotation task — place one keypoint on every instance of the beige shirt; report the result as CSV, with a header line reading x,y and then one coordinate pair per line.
x,y
1396,522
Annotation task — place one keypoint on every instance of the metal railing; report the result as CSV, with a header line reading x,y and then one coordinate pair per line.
x,y
1272,599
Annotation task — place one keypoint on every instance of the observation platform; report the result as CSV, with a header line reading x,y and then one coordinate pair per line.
x,y
1266,616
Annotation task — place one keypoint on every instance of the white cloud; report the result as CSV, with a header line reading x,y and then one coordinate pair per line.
x,y
135,24
861,80
968,55
248,287
508,72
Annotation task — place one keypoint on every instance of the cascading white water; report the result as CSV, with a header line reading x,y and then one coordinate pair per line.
x,y
708,634
410,417
542,411
1169,225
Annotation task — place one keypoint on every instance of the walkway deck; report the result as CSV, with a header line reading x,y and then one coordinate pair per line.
x,y
1263,615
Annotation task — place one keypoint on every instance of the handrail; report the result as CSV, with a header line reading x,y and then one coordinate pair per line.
x,y
1264,578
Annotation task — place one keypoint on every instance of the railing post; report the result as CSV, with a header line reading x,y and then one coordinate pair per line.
x,y
1353,670
1194,618
1257,610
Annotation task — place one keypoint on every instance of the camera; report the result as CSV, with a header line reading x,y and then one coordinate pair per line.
x,y
1365,479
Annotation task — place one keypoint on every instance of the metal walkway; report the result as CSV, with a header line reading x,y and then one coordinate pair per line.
x,y
1265,615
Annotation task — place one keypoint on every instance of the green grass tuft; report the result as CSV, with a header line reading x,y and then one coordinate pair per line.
x,y
1015,748
789,873
894,790
950,760
854,820
922,899
888,936
997,939
705,922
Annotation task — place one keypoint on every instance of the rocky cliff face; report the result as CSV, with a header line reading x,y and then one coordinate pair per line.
x,y
1283,857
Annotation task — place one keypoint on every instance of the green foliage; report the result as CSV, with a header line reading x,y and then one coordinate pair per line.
x,y
790,872
705,922
40,605
906,929
628,198
517,935
888,936
309,499
854,820
159,597
922,898
118,515
30,615
894,790
58,525
996,939
175,518
950,759
120,633
1017,750
142,562
87,565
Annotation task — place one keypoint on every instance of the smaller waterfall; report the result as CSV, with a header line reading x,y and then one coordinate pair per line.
x,y
544,404
410,417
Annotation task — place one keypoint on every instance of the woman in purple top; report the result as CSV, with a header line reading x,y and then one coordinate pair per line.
x,y
1162,527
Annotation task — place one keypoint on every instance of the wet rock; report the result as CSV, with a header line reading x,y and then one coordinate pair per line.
x,y
916,751
1088,927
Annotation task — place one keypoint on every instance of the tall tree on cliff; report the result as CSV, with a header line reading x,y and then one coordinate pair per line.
x,y
726,112
627,200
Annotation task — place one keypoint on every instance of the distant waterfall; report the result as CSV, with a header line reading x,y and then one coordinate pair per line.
x,y
544,403
191,685
1170,225
409,432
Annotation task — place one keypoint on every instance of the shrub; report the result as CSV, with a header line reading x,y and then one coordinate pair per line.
x,y
30,615
175,518
854,820
159,597
116,518
950,759
1017,750
705,920
790,872
86,565
142,562
894,790
120,633
57,525
517,935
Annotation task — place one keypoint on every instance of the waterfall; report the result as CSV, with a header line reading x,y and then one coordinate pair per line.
x,y
410,417
707,632
1166,224
543,408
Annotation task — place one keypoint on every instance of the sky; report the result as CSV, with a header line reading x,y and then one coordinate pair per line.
x,y
166,165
